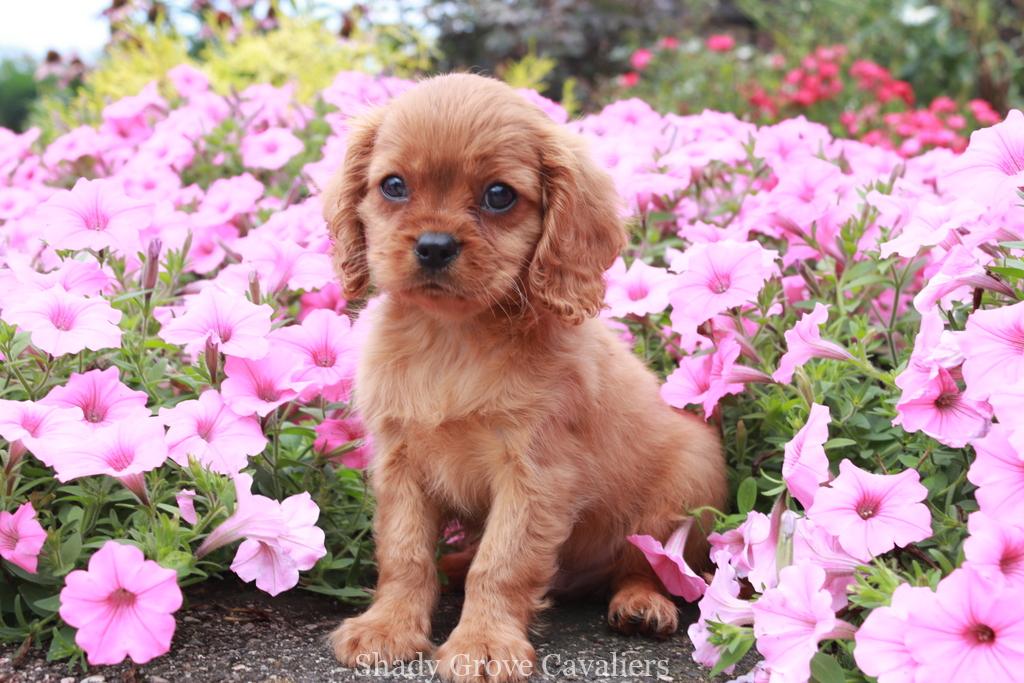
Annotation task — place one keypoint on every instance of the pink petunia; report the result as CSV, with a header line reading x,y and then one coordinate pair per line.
x,y
208,430
792,618
94,214
943,412
998,472
703,380
323,345
881,647
121,606
995,548
278,264
188,80
992,167
812,543
934,348
271,149
640,290
716,277
254,517
101,397
720,603
21,537
261,386
275,565
751,548
124,450
236,325
227,199
805,466
991,344
804,342
79,142
39,427
969,629
333,435
61,323
961,272
668,562
871,513
185,499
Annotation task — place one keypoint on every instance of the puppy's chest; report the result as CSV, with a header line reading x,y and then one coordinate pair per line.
x,y
425,384
457,415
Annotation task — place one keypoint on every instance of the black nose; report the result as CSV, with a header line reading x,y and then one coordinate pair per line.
x,y
435,250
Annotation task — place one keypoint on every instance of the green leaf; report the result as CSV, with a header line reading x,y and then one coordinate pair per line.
x,y
62,644
70,549
826,669
746,495
839,442
342,593
50,604
733,653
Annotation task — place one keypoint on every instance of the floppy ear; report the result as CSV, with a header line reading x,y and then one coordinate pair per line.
x,y
582,231
341,202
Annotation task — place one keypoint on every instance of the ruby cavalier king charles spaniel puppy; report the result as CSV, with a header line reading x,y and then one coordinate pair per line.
x,y
493,395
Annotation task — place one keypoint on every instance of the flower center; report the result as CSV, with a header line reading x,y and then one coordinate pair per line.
x,y
719,284
8,540
63,318
636,291
119,459
120,598
325,358
94,220
267,392
204,429
867,508
32,423
947,400
982,634
1012,562
270,147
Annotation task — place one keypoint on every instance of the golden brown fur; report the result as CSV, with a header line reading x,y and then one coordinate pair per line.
x,y
493,396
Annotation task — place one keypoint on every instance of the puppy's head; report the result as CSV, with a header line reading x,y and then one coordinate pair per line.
x,y
461,196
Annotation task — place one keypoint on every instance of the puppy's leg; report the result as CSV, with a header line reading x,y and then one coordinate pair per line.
x,y
406,528
639,602
505,586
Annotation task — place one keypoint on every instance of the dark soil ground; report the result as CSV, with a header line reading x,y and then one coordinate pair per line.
x,y
231,632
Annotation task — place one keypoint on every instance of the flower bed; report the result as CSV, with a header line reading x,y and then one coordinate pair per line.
x,y
179,363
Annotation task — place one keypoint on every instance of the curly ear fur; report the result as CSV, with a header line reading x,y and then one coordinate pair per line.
x,y
341,207
582,231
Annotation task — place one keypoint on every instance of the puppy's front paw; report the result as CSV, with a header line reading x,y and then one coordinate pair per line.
x,y
367,640
485,655
642,609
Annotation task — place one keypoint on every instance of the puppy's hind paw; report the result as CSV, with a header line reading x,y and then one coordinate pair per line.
x,y
642,609
365,642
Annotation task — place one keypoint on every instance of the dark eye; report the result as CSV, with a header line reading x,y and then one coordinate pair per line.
x,y
499,198
393,188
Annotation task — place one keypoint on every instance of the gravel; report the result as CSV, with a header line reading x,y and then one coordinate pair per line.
x,y
231,632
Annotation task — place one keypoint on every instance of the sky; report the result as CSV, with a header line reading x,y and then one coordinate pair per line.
x,y
35,26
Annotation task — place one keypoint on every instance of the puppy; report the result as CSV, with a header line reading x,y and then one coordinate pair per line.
x,y
493,395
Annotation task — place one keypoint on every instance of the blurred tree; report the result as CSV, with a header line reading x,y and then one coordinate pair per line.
x,y
17,91
585,37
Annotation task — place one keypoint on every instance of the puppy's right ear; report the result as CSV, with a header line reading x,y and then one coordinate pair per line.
x,y
341,201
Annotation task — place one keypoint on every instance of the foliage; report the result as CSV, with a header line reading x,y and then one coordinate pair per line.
x,y
17,91
853,96
580,35
299,50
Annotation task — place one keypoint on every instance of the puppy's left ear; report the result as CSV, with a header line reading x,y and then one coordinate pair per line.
x,y
582,230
